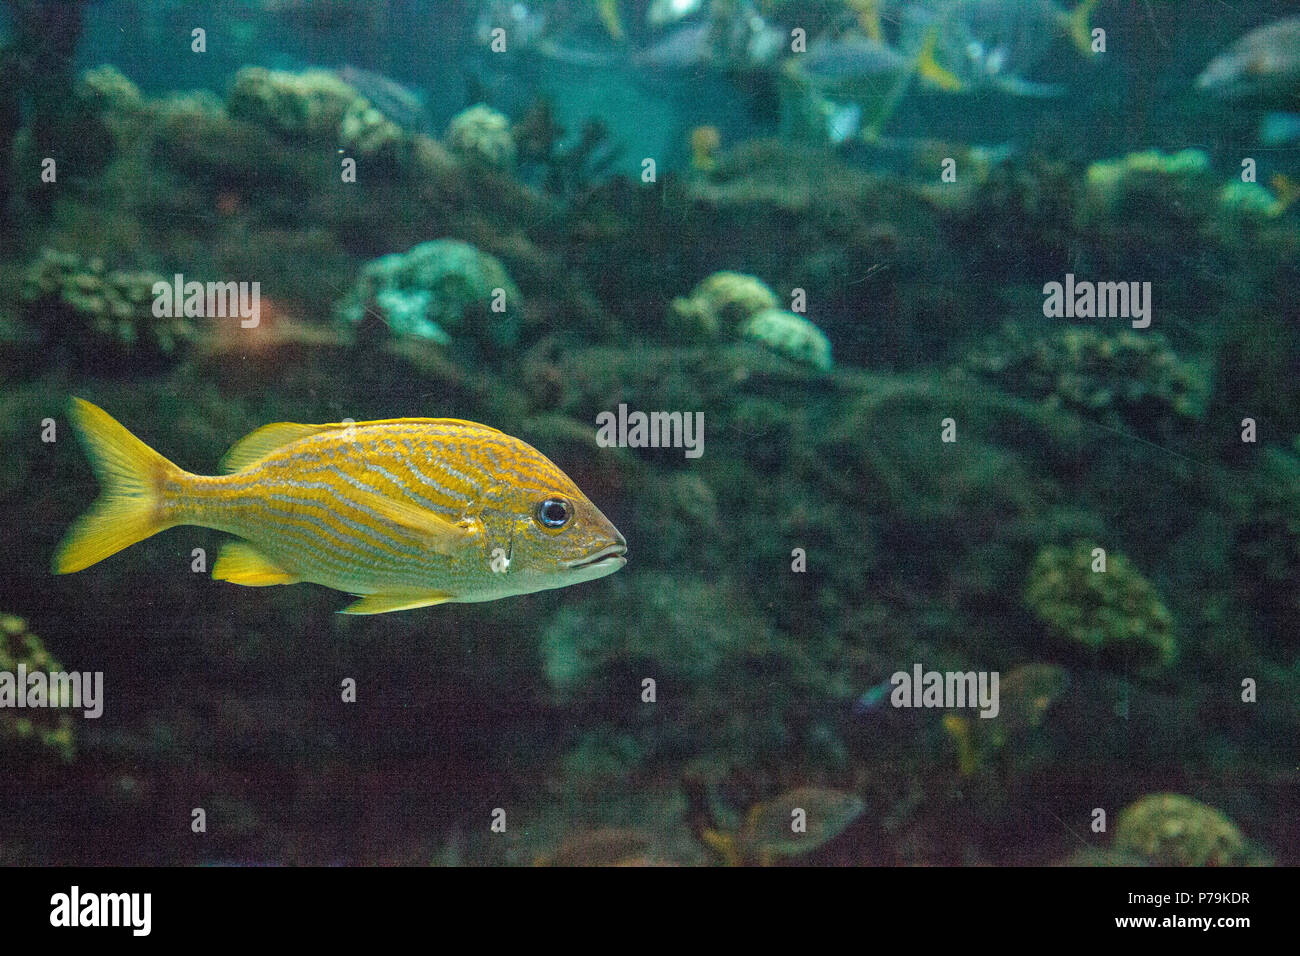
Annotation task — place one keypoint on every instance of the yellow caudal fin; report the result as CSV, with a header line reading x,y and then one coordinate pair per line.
x,y
1077,24
930,70
129,508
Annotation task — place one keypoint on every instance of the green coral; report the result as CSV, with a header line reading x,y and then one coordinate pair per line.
x,y
1183,179
103,316
1111,612
481,136
1129,378
309,105
436,288
106,89
49,729
1249,201
791,335
1169,829
366,131
720,305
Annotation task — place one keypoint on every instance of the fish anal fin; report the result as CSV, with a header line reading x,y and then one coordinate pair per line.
x,y
240,563
441,534
260,443
386,601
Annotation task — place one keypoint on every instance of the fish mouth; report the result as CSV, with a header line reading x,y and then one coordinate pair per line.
x,y
611,554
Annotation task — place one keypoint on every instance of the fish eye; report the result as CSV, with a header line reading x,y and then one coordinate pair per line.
x,y
554,513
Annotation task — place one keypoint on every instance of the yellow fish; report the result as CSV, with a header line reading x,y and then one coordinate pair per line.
x,y
403,512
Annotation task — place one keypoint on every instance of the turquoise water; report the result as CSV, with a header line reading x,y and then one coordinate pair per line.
x,y
936,362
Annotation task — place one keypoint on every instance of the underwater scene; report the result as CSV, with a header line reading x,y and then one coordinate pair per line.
x,y
650,432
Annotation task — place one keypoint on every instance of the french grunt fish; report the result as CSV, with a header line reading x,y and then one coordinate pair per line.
x,y
402,513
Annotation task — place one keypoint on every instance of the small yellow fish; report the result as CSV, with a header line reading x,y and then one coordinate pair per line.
x,y
705,143
609,16
403,513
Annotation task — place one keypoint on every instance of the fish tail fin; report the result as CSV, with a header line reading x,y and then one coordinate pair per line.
x,y
923,64
1077,24
930,70
130,504
1286,191
610,17
869,19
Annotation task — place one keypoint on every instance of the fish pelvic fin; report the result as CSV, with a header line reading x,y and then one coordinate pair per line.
x,y
241,563
1077,24
930,70
131,503
386,601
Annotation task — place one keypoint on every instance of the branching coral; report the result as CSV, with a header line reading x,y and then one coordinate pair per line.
x,y
1128,378
50,729
1169,829
102,316
1114,612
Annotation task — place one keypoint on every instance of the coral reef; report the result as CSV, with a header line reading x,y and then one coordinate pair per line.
x,y
310,105
103,317
1146,180
48,728
438,289
1128,379
720,304
481,135
1169,829
1115,613
106,89
791,335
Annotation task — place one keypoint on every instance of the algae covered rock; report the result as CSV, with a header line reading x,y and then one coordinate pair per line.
x,y
366,131
1169,829
1115,612
47,728
310,105
104,317
1128,378
1182,181
106,89
720,305
791,335
481,136
1251,202
439,290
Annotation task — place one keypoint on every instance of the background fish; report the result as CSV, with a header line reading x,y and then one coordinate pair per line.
x,y
1263,65
403,106
406,512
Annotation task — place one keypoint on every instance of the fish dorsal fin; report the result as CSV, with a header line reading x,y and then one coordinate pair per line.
x,y
384,602
442,535
258,444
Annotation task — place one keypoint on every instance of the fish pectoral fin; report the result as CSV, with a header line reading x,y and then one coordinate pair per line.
x,y
386,601
240,563
443,535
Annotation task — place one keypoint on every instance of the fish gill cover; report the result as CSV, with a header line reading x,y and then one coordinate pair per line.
x,y
925,370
